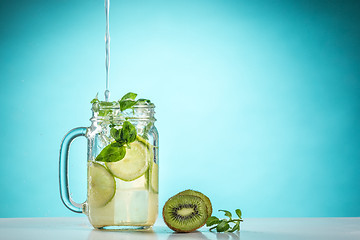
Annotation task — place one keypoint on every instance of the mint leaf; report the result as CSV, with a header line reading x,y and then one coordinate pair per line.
x,y
128,133
106,104
143,100
238,212
129,95
212,221
227,213
103,108
115,133
222,226
126,104
95,99
112,153
128,101
105,112
236,227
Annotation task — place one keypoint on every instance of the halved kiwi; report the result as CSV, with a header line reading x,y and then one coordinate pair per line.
x,y
200,195
185,213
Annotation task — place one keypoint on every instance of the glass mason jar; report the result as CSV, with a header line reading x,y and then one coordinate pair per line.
x,y
122,167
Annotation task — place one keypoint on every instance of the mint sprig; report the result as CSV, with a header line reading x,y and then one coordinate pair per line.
x,y
116,151
128,101
224,225
123,136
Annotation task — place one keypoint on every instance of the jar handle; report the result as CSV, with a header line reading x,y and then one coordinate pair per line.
x,y
63,169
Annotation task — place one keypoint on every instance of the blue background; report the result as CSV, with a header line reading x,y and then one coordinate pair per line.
x,y
258,102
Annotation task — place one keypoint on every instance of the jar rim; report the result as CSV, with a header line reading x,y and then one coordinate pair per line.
x,y
110,111
116,105
120,118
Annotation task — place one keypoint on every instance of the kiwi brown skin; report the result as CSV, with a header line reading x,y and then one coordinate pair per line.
x,y
182,230
200,195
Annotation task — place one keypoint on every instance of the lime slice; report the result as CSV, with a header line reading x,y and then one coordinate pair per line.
x,y
134,164
154,173
102,185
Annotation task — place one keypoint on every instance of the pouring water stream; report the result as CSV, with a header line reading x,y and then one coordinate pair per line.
x,y
107,50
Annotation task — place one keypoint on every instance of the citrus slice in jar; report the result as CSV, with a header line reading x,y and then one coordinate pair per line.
x,y
154,173
134,164
102,185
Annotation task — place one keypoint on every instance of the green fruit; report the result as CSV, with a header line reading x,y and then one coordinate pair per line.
x,y
134,164
154,177
102,185
185,213
200,195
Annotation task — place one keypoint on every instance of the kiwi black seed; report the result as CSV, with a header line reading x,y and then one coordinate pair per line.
x,y
185,213
200,195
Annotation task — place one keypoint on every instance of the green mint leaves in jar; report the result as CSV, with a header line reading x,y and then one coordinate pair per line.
x,y
128,101
112,153
124,134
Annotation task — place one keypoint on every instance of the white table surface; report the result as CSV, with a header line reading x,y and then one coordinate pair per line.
x,y
251,229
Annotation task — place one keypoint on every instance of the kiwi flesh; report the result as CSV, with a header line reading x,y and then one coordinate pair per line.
x,y
200,195
185,213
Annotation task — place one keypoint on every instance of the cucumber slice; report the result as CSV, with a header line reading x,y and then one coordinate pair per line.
x,y
134,164
102,185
